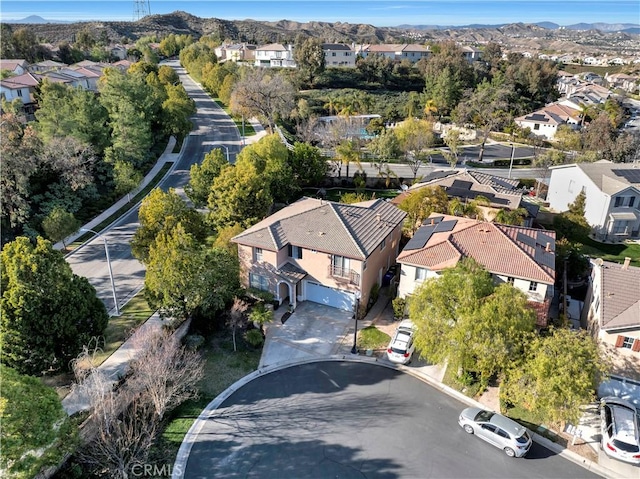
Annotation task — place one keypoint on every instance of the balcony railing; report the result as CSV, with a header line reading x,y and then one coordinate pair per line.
x,y
345,274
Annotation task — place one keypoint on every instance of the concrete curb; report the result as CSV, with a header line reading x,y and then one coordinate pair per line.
x,y
182,457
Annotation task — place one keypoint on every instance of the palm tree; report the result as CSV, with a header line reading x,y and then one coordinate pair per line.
x,y
430,107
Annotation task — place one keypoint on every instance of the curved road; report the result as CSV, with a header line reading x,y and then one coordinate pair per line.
x,y
350,420
212,126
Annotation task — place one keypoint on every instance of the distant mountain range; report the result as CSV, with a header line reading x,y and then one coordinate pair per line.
x,y
603,27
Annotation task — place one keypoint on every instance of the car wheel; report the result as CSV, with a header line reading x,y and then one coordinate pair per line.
x,y
468,429
509,452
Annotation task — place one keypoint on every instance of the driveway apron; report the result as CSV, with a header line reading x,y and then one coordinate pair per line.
x,y
312,331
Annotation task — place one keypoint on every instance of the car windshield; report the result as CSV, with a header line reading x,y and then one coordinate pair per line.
x,y
398,350
483,416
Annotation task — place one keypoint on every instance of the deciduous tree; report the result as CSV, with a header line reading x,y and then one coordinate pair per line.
x,y
59,224
202,175
559,374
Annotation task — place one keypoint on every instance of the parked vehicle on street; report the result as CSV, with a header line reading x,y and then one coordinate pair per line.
x,y
401,346
620,429
496,429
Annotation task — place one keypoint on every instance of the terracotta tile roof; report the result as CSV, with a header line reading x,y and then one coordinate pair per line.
x,y
619,296
350,230
504,250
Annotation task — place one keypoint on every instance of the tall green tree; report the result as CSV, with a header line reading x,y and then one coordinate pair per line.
x,y
239,195
183,276
309,58
202,175
447,75
559,374
308,164
162,211
176,110
47,312
59,224
441,303
36,432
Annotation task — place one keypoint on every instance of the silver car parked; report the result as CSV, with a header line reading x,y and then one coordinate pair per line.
x,y
496,429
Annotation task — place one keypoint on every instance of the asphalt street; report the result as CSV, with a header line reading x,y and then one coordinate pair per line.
x,y
351,420
212,128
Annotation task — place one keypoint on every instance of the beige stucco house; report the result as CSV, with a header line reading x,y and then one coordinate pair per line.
x,y
321,251
612,314
524,257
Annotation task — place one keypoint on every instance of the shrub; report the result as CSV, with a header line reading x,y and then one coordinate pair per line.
x,y
254,337
374,293
399,305
265,296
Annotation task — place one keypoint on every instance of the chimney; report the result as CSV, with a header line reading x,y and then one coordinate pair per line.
x,y
627,260
548,247
378,217
432,222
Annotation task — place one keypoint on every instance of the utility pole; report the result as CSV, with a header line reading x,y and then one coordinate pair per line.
x,y
141,9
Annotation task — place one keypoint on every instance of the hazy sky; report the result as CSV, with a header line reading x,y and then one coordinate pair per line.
x,y
375,12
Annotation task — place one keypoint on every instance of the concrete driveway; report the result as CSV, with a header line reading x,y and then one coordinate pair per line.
x,y
312,331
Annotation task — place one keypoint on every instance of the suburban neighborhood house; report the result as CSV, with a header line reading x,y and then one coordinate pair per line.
x,y
338,55
612,314
274,55
467,185
612,196
523,257
321,251
545,122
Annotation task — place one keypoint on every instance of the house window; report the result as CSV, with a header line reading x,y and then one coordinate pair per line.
x,y
295,252
340,266
632,201
421,274
364,266
383,244
259,282
618,201
536,126
510,280
533,286
20,93
257,254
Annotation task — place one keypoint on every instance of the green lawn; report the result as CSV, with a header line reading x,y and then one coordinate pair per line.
x,y
248,128
372,338
119,329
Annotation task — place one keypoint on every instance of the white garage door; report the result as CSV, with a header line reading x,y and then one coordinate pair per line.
x,y
331,297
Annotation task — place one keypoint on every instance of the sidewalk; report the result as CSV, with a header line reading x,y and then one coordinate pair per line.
x,y
166,157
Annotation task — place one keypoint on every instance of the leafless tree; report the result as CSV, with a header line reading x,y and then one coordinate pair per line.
x,y
165,373
264,94
122,426
126,417
237,317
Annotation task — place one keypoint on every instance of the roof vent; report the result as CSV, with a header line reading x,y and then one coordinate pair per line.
x,y
321,233
378,217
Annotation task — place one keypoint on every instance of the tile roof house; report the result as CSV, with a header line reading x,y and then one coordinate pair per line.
x,y
17,67
612,314
612,190
396,51
524,257
237,52
502,193
321,251
545,121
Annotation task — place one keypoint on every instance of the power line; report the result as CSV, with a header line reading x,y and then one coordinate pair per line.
x,y
141,9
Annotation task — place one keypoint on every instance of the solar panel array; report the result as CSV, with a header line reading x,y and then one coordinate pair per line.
x,y
631,175
424,233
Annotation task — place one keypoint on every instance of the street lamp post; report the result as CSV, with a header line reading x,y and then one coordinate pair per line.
x,y
106,251
225,149
354,349
513,150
